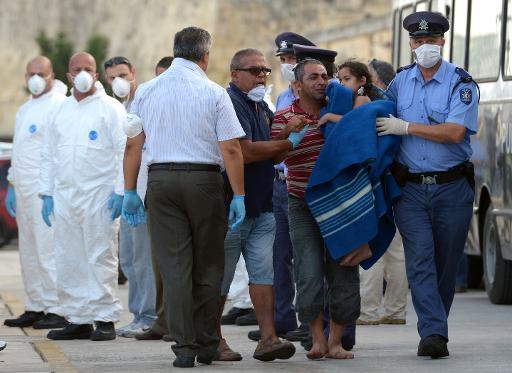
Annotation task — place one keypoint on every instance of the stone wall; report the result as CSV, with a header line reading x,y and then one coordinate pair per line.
x,y
142,30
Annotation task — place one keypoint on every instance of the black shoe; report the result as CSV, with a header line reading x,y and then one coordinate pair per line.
x,y
255,335
184,362
248,319
297,335
433,346
104,331
230,317
51,321
207,359
71,331
27,318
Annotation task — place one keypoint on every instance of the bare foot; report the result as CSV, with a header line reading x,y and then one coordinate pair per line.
x,y
356,256
338,352
318,351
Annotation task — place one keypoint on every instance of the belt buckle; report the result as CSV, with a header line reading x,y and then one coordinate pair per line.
x,y
429,180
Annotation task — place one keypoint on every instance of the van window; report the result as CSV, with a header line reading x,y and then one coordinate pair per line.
x,y
459,35
484,42
508,52
405,50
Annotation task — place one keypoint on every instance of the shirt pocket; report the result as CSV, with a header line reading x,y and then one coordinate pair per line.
x,y
438,113
404,105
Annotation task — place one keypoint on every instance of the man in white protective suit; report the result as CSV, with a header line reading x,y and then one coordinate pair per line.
x,y
35,239
82,178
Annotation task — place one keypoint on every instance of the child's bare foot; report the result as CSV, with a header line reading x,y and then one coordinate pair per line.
x,y
338,352
318,351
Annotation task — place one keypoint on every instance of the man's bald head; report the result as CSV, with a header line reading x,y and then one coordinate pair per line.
x,y
41,66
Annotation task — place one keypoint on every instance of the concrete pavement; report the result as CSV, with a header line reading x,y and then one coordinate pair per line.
x,y
480,333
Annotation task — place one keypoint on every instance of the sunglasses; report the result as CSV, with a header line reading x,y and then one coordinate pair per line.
x,y
257,70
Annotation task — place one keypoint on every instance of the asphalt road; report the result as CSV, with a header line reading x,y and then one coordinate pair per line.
x,y
480,341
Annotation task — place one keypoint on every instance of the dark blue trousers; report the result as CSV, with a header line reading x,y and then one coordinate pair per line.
x,y
433,221
284,285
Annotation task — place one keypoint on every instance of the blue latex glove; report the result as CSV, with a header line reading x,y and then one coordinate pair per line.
x,y
47,209
296,137
10,202
133,208
115,203
236,211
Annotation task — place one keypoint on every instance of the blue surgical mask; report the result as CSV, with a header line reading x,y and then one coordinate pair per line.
x,y
257,94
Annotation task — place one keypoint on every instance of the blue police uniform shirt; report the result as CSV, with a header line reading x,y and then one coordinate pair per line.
x,y
433,103
256,119
285,99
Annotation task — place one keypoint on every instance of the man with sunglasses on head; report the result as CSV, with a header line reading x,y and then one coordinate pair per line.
x,y
134,244
254,238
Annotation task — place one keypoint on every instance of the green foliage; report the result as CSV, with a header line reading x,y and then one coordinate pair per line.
x,y
58,50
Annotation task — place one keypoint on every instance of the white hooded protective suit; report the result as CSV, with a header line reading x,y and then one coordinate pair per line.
x,y
35,238
81,167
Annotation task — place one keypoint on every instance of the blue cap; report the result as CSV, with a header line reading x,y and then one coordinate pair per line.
x,y
421,24
285,41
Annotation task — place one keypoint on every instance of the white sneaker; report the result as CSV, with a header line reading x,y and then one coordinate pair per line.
x,y
131,326
139,328
2,345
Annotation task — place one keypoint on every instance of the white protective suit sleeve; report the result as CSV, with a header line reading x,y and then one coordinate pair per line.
x,y
119,143
48,161
132,125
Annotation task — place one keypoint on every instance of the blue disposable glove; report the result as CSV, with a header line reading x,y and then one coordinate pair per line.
x,y
296,137
236,211
115,203
47,209
10,202
133,208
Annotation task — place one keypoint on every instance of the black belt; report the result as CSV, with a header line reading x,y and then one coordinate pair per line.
x,y
184,167
441,177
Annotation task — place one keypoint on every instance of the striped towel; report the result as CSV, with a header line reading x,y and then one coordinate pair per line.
x,y
351,190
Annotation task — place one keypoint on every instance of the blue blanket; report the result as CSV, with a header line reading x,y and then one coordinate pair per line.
x,y
350,190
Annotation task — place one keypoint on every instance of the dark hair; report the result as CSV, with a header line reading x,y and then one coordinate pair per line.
x,y
299,67
118,60
384,70
165,62
192,43
360,70
236,61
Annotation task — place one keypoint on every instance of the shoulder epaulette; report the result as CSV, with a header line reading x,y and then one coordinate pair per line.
x,y
465,77
400,69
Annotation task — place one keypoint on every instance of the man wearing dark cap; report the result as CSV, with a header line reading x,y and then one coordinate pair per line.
x,y
437,106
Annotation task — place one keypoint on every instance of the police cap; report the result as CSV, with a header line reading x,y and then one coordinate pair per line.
x,y
305,51
421,24
286,40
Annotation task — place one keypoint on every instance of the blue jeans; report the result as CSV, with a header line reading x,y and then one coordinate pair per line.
x,y
433,221
254,238
284,286
135,259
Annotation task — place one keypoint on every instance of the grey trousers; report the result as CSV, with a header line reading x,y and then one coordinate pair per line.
x,y
187,224
314,267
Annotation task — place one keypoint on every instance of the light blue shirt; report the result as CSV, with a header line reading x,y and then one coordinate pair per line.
x,y
433,103
285,99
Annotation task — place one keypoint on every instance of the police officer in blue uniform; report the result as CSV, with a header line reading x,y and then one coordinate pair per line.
x,y
437,106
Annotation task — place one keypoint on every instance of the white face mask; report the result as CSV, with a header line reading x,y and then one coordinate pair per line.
x,y
428,55
36,85
83,82
121,87
287,72
257,94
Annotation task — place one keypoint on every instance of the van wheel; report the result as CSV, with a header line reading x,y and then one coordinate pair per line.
x,y
497,271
